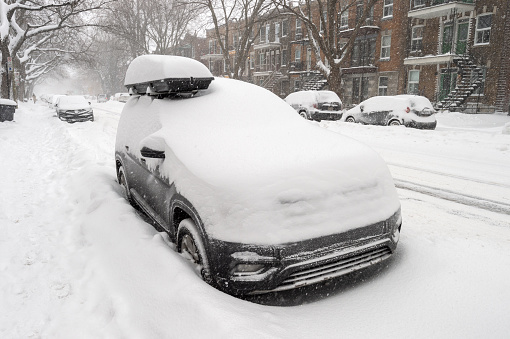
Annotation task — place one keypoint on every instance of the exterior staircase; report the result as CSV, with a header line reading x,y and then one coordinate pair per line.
x,y
272,80
471,78
315,83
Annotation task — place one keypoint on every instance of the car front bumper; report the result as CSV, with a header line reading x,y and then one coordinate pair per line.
x,y
293,265
421,124
326,115
76,117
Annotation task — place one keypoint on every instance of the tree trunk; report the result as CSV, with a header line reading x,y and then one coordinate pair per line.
x,y
335,80
6,78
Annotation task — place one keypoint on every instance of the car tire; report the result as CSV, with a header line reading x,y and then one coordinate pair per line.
x,y
191,244
350,119
125,187
303,114
394,122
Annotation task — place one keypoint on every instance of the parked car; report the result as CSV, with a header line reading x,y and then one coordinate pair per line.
x,y
102,98
74,108
123,97
258,199
53,100
316,105
408,110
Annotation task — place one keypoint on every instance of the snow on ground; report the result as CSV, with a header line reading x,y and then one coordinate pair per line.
x,y
76,261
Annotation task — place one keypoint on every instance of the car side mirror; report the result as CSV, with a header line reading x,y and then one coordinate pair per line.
x,y
56,105
151,153
361,108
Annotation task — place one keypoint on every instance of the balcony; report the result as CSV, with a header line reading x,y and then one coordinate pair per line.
x,y
267,45
363,31
212,57
428,9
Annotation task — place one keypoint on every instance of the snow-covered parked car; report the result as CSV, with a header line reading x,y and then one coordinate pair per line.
x,y
316,105
408,110
74,108
258,199
102,98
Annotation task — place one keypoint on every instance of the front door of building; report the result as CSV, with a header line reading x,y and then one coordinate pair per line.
x,y
447,83
462,37
446,46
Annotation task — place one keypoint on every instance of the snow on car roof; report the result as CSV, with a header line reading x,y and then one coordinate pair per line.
x,y
147,68
311,97
252,180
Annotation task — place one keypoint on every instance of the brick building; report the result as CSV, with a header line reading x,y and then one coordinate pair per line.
x,y
455,52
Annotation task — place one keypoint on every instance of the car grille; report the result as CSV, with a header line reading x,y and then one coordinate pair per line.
x,y
332,269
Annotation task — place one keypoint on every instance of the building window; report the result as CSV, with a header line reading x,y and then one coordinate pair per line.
x,y
344,19
277,32
363,52
414,80
388,8
383,85
262,33
284,57
262,59
417,38
268,28
285,28
419,3
297,85
385,47
297,54
298,29
483,29
252,60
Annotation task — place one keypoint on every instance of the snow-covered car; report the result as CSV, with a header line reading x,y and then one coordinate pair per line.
x,y
74,108
408,110
258,199
102,98
316,105
52,100
123,97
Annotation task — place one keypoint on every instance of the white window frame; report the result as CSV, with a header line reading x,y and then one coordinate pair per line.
x,y
413,38
268,30
299,30
344,19
297,54
385,48
262,37
414,83
252,60
483,30
388,9
418,3
285,24
277,32
383,87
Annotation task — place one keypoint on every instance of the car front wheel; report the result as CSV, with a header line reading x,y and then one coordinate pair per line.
x,y
303,114
394,123
191,245
350,119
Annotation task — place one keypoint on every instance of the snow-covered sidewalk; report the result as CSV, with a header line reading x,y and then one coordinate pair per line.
x,y
76,261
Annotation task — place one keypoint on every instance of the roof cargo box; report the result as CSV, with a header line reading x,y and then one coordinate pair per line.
x,y
166,74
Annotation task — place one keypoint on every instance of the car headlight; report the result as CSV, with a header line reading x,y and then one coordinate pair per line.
x,y
241,270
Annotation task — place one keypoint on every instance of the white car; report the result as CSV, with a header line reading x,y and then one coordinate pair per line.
x,y
408,110
74,108
316,105
257,198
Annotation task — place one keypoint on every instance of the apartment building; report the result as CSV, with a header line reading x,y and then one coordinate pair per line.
x,y
455,52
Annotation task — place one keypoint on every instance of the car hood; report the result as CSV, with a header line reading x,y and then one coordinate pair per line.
x,y
258,173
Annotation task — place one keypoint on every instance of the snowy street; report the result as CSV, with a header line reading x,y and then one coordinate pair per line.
x,y
77,261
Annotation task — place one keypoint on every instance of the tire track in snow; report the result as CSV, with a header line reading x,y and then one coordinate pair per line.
x,y
461,198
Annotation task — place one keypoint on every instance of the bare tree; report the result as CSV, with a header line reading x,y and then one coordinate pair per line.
x,y
325,41
243,17
155,26
24,21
